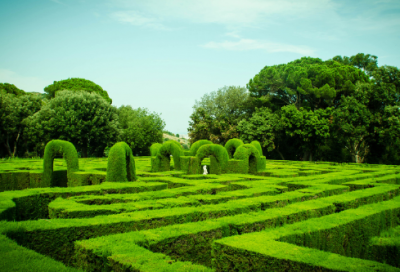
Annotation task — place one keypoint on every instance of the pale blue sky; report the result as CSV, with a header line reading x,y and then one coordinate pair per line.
x,y
165,54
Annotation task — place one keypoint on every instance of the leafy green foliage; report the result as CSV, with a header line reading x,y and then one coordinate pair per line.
x,y
76,84
216,115
140,128
11,89
84,119
154,149
232,145
14,109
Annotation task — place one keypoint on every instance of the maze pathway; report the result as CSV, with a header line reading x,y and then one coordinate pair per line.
x,y
292,217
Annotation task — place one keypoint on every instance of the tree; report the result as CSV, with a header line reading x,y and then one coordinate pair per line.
x,y
307,82
13,112
353,120
262,126
140,129
76,84
217,114
84,119
11,89
311,127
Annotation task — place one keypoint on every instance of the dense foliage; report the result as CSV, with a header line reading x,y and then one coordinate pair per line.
x,y
76,84
76,110
342,109
216,115
140,129
82,118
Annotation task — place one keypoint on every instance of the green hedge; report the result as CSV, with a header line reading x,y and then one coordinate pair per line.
x,y
231,146
121,164
195,146
218,157
312,245
249,154
154,149
70,155
257,145
162,161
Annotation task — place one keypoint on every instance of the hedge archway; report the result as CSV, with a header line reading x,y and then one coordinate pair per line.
x,y
250,154
120,164
231,146
218,157
70,155
163,156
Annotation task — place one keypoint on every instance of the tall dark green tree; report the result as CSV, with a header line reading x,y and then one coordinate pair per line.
x,y
76,84
14,109
82,118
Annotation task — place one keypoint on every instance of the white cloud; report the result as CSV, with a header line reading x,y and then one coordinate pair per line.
x,y
228,12
249,44
134,18
28,84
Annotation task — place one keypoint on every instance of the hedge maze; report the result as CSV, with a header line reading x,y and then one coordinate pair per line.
x,y
161,213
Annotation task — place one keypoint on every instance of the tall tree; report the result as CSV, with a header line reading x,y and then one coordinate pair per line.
x,y
13,112
140,128
76,84
217,114
307,82
85,119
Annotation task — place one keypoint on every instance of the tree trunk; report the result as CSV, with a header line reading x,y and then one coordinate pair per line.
x,y
7,145
16,142
280,154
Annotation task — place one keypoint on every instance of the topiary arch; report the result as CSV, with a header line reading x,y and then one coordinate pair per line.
x,y
249,154
121,164
195,146
154,149
70,155
162,160
218,158
231,146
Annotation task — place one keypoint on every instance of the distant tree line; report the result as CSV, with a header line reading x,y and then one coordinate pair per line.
x,y
76,110
346,109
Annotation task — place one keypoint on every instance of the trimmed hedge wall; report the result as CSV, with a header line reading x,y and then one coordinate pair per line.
x,y
121,164
70,155
258,146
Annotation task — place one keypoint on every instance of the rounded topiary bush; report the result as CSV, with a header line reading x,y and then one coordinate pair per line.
x,y
231,146
70,155
121,164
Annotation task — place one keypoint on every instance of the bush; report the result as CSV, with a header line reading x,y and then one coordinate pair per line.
x,y
70,155
121,164
232,145
154,149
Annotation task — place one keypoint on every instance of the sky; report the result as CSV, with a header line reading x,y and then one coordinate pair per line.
x,y
164,55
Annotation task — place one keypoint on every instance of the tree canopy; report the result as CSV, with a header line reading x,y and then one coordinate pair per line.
x,y
84,119
76,84
216,115
140,129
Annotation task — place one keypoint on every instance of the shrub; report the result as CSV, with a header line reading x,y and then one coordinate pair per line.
x,y
70,155
195,146
220,154
154,149
169,148
258,146
121,164
231,146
